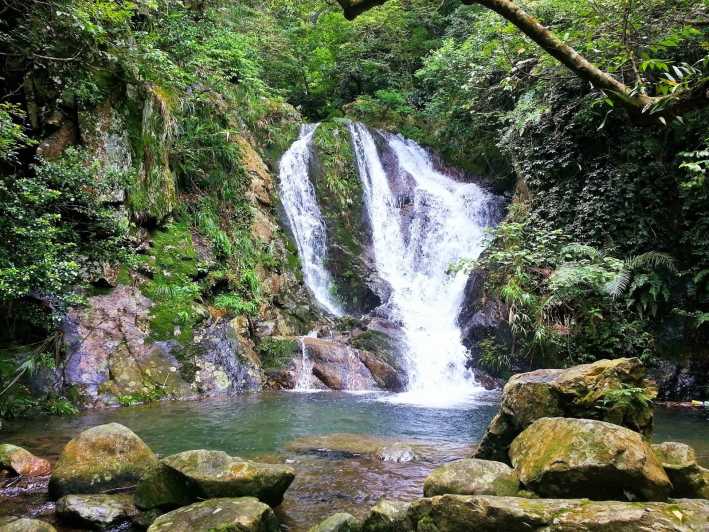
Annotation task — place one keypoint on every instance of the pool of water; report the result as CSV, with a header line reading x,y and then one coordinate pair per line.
x,y
271,427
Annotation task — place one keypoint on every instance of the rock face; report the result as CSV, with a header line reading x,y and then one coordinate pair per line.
x,y
23,524
341,522
109,354
577,392
688,478
200,474
96,510
461,513
101,458
243,514
472,477
563,457
21,462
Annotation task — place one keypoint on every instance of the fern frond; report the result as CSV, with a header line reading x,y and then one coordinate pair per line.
x,y
582,250
616,287
652,259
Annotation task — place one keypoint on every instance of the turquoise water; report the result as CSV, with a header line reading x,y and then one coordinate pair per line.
x,y
264,426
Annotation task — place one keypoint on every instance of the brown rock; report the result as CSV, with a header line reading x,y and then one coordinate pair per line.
x,y
21,462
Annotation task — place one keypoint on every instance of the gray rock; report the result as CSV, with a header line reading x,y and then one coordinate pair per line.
x,y
387,516
243,514
23,524
96,510
341,522
472,477
688,478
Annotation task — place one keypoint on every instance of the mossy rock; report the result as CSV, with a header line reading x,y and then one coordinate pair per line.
x,y
22,462
564,457
340,522
688,478
202,474
23,524
387,516
96,510
243,514
472,477
101,458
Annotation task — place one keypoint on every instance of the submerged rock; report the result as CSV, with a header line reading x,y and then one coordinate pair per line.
x,y
583,391
688,478
564,457
96,510
342,522
351,445
23,524
243,514
387,516
201,474
397,452
101,458
463,513
472,477
22,462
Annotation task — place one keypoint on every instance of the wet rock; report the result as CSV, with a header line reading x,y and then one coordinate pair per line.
x,y
18,461
109,353
23,524
462,513
342,522
201,474
96,510
387,516
688,478
472,477
563,457
576,392
397,452
54,145
99,459
243,514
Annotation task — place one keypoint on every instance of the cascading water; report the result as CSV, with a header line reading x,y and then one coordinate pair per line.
x,y
305,219
414,245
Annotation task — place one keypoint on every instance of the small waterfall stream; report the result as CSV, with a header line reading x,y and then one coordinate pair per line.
x,y
305,219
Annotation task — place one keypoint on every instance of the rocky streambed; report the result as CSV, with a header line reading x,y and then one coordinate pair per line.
x,y
567,457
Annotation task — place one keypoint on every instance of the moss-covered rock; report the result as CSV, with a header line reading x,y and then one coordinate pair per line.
x,y
22,462
461,513
689,479
243,514
472,477
563,457
101,458
96,510
24,524
341,522
202,474
387,516
585,391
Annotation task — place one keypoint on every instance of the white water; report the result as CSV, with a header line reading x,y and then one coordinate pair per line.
x,y
306,221
414,246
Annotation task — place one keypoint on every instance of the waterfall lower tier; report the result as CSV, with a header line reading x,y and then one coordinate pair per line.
x,y
422,221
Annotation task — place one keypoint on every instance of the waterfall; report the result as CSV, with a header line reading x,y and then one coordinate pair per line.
x,y
305,219
416,239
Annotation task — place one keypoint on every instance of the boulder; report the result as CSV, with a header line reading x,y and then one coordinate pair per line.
x,y
578,392
484,513
472,477
23,524
564,457
21,462
341,522
96,510
101,458
688,478
397,452
201,474
242,514
387,516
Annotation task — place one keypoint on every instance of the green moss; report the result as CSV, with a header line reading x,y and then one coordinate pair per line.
x,y
276,353
174,265
380,344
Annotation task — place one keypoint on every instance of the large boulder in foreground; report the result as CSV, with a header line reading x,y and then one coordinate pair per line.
x,y
96,510
584,391
101,458
679,460
21,462
564,457
24,524
482,513
243,514
387,516
472,477
201,474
